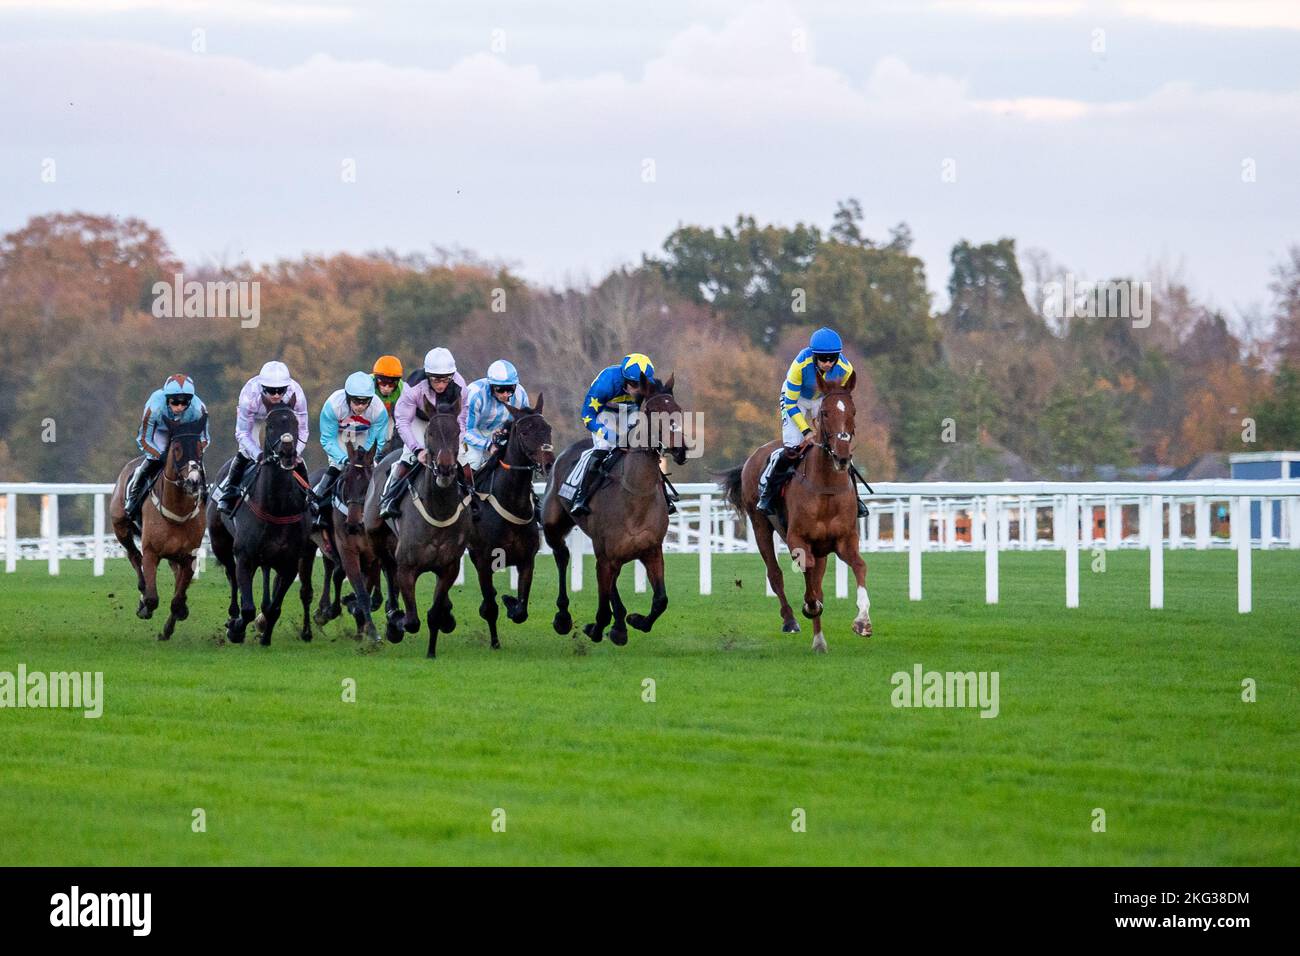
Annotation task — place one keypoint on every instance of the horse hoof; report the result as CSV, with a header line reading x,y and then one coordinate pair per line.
x,y
496,644
591,631
350,602
265,640
166,634
143,612
618,636
181,613
449,624
790,627
305,634
819,643
394,634
563,623
259,622
862,628
812,610
412,626
639,621
320,617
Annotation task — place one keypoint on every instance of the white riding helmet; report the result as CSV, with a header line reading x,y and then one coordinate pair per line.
x,y
274,375
439,361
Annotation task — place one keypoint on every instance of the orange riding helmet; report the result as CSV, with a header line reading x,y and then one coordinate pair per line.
x,y
389,366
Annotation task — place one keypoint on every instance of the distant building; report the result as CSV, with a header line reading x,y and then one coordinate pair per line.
x,y
1263,466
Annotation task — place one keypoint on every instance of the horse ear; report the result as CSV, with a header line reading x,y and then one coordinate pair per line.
x,y
851,381
538,407
369,456
427,407
514,412
668,385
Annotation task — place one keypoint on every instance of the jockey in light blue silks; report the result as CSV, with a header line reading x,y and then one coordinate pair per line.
x,y
618,386
799,400
352,416
174,404
485,428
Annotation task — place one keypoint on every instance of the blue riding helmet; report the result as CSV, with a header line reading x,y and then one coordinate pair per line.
x,y
502,372
359,385
826,342
178,384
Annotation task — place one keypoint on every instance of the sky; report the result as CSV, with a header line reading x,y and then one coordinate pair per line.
x,y
566,139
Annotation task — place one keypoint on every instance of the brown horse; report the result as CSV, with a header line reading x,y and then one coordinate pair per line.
x,y
628,519
506,533
821,516
431,532
171,521
350,549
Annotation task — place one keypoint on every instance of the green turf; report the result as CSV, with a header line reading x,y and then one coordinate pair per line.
x,y
1112,705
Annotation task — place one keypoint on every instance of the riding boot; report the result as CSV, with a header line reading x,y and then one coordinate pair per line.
x,y
320,497
141,480
467,473
668,497
398,478
230,484
781,470
863,510
597,468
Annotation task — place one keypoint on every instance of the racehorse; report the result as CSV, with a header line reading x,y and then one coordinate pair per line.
x,y
431,531
269,530
350,552
821,516
628,519
171,521
506,533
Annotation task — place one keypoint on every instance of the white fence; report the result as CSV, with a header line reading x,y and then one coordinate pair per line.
x,y
950,516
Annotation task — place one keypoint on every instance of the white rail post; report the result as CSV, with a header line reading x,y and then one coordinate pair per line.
x,y
898,524
460,574
99,536
514,578
1114,523
11,533
841,577
639,577
978,524
1293,516
1265,524
1202,523
706,544
873,530
1144,520
1175,524
1057,540
50,522
1156,544
575,562
1071,529
1241,532
991,516
915,535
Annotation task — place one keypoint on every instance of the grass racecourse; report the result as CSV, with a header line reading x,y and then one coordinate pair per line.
x,y
1111,706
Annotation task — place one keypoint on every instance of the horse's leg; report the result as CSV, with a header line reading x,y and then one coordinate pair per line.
x,y
149,596
388,565
183,571
487,608
351,563
337,580
764,536
847,549
517,607
137,560
406,578
239,625
617,630
232,612
605,571
306,564
654,567
440,612
284,579
813,603
266,597
563,622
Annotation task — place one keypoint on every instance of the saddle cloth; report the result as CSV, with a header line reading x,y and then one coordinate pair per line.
x,y
569,489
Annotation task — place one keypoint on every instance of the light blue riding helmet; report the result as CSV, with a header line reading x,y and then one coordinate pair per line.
x,y
359,385
502,372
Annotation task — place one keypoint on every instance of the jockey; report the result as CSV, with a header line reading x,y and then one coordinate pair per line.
x,y
174,404
799,400
270,387
487,400
387,373
353,415
442,385
616,386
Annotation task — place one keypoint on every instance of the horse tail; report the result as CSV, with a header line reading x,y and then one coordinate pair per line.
x,y
731,487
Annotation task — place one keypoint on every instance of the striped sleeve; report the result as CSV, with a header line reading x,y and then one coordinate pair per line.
x,y
790,394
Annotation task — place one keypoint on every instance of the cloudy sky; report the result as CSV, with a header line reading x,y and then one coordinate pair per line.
x,y
1113,135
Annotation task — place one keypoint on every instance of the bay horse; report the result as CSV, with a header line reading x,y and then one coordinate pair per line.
x,y
821,510
431,532
506,534
628,519
269,530
171,521
350,552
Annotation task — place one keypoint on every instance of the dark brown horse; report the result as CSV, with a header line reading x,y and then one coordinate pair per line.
x,y
349,550
506,533
821,510
431,532
171,520
269,531
628,519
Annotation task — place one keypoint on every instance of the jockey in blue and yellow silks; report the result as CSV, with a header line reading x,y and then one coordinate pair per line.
x,y
616,387
174,404
799,400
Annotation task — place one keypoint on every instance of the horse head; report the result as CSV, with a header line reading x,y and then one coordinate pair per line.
x,y
665,417
442,440
280,438
835,419
354,483
530,433
185,448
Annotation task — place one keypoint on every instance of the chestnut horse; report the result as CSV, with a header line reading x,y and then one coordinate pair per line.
x,y
171,520
628,519
431,533
506,533
821,510
350,551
